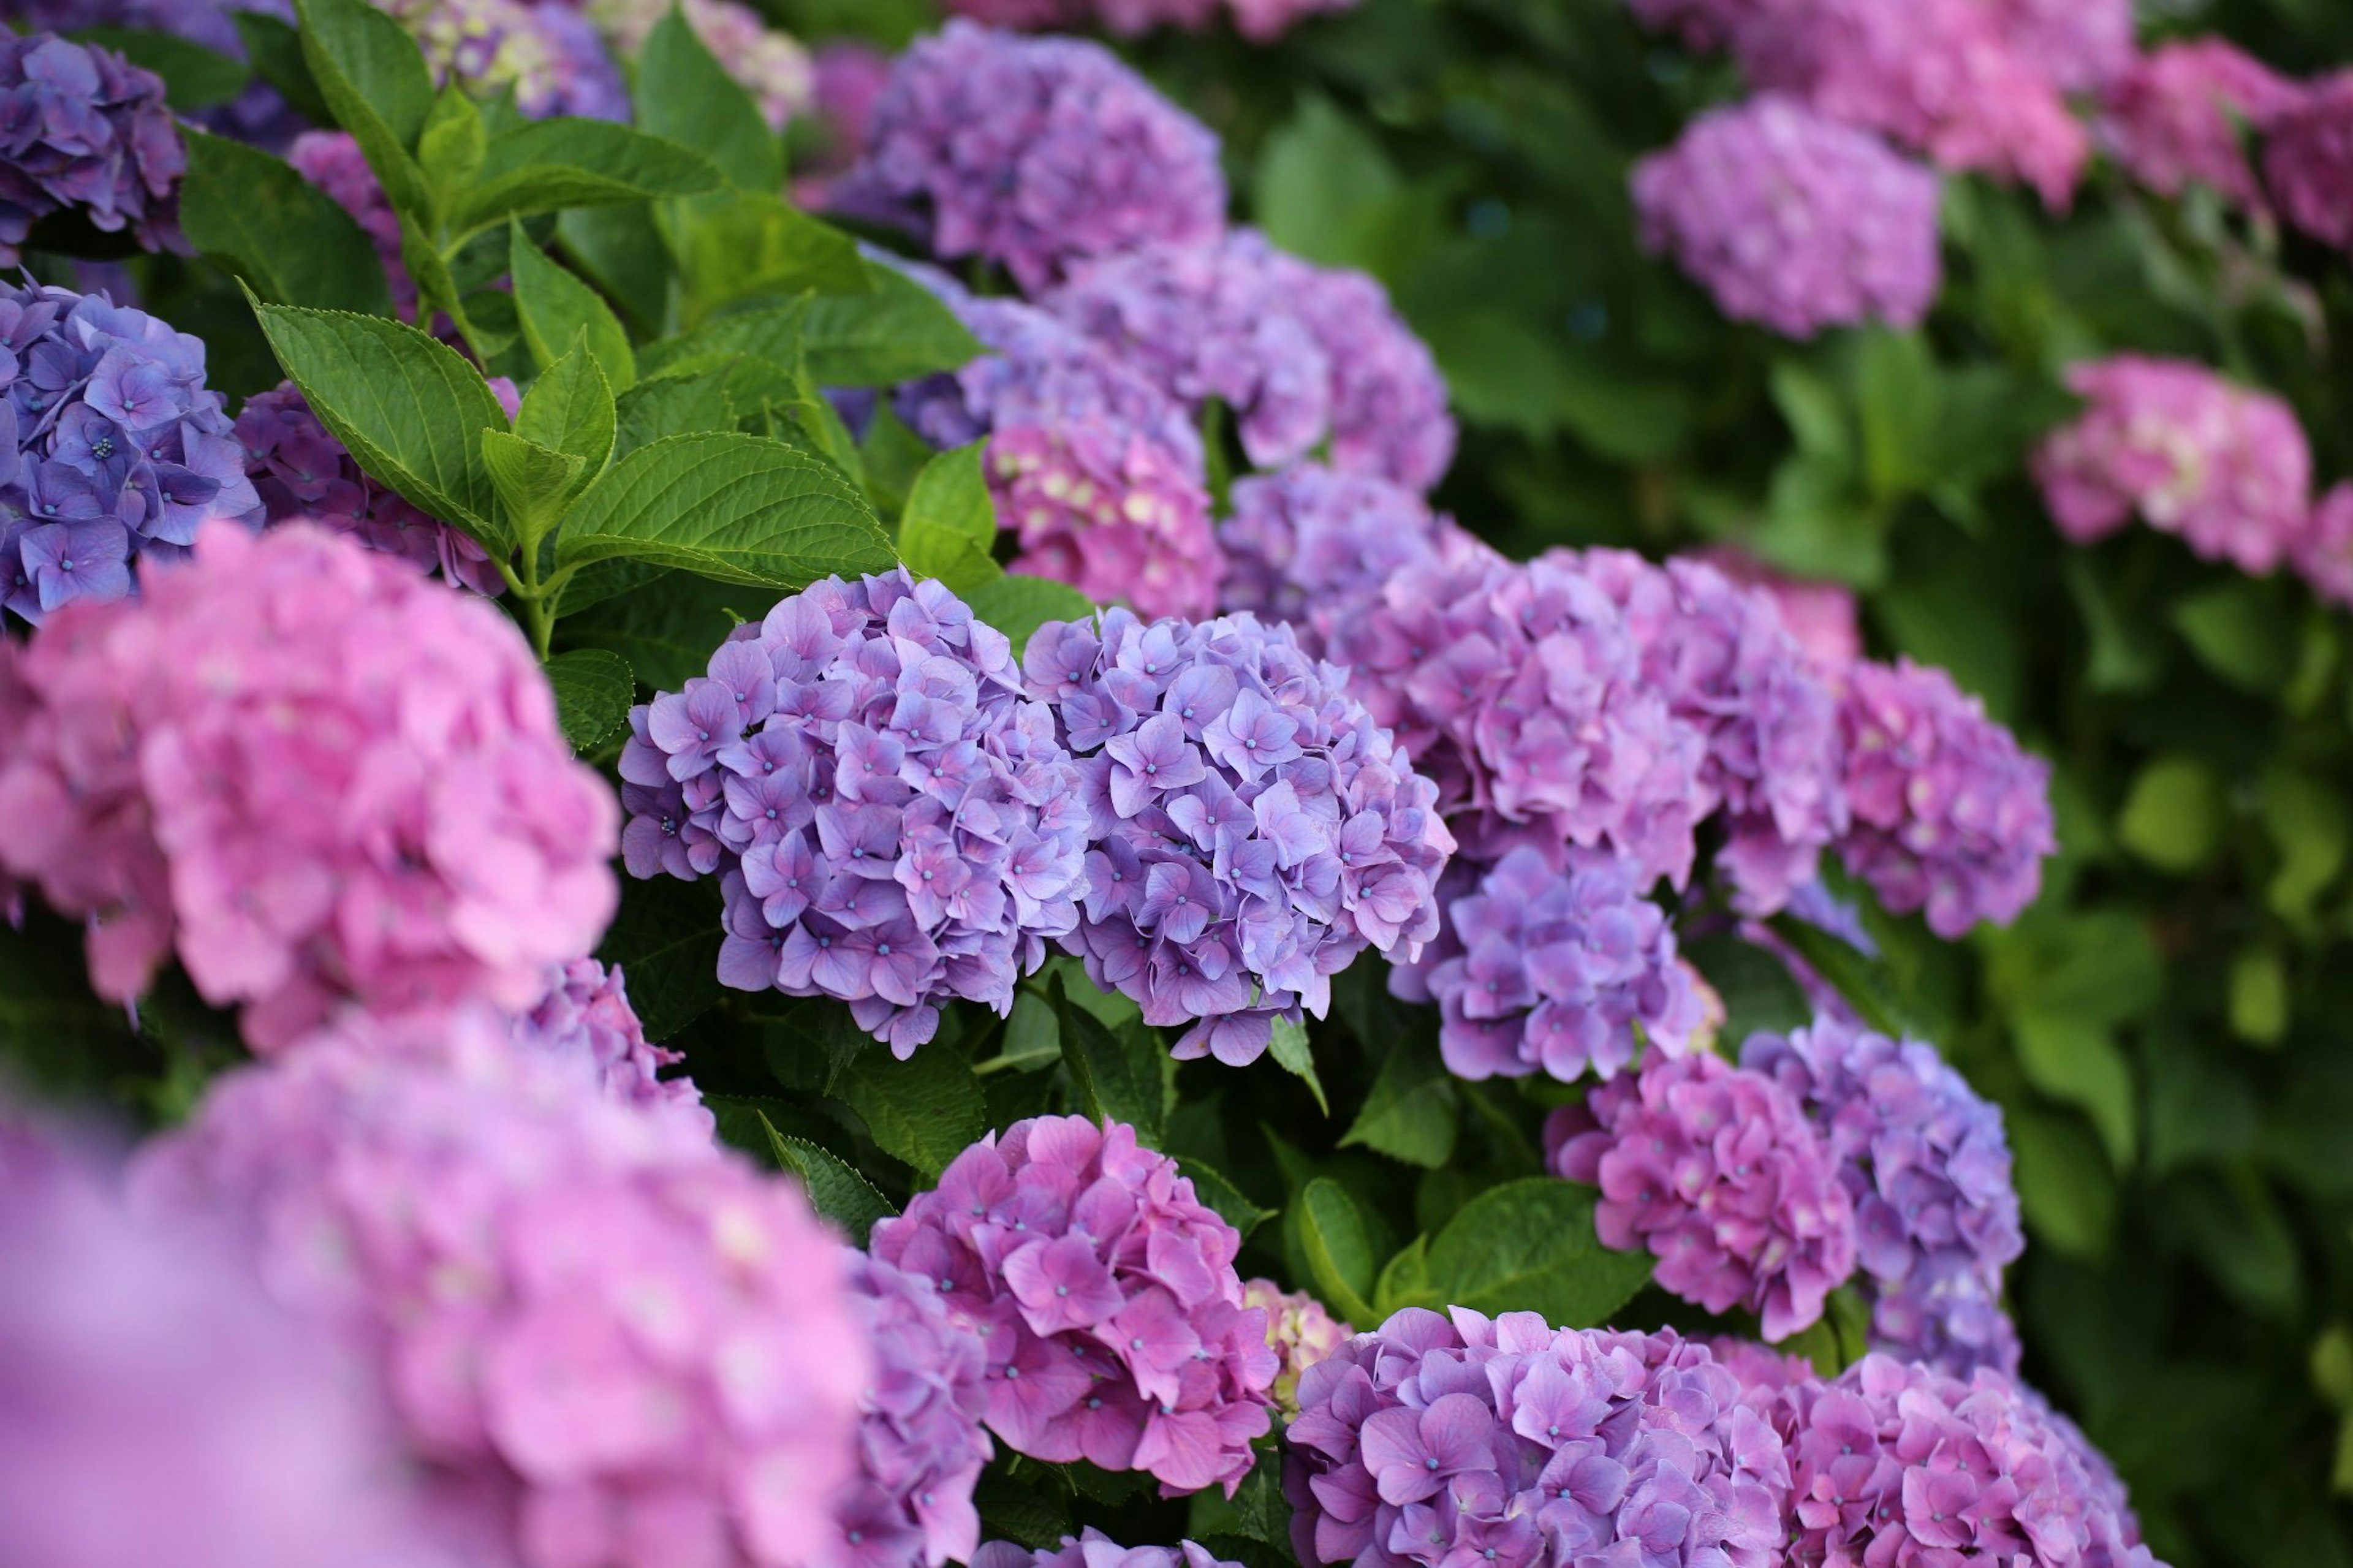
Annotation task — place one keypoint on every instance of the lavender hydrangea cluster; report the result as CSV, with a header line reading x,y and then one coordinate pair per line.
x,y
1106,1291
316,778
1093,1549
1731,670
587,1015
1715,1169
919,1443
82,128
299,470
1949,815
259,114
1518,687
1309,544
2308,160
1440,1440
1260,21
545,51
1038,152
613,1337
111,448
2226,467
1253,829
1908,1467
893,822
1552,970
1794,220
1389,414
2174,118
769,64
331,160
1821,615
1923,1157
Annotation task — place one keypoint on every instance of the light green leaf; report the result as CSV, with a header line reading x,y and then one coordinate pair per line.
x,y
570,408
451,147
1899,399
666,939
836,1190
738,508
687,97
550,164
2077,1060
593,689
2307,820
1814,412
555,307
1411,1114
1115,1071
532,482
758,244
669,406
194,77
924,1110
1530,1245
2173,816
950,523
773,333
900,332
1405,1282
372,77
1322,182
2259,999
1018,605
1294,1056
290,240
1339,1253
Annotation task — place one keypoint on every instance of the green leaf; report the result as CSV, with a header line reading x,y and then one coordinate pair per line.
x,y
1018,605
1412,1113
570,408
687,97
556,308
2065,1184
2076,1060
593,689
1814,412
550,164
1294,1056
774,333
1405,1282
836,1190
738,508
2173,816
666,937
1530,1245
410,410
2307,820
924,1110
757,244
373,79
254,217
900,332
1759,994
1115,1071
1033,1038
950,525
1225,1197
670,406
665,626
1900,401
532,482
2241,632
275,48
451,147
1864,983
1321,182
194,77
1339,1253
621,250
2259,999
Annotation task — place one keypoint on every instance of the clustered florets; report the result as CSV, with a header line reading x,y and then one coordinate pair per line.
x,y
2308,160
1309,544
83,129
111,448
1253,830
2174,117
893,821
1260,21
769,64
1299,1329
545,51
587,1015
1504,1441
1115,1320
1093,1549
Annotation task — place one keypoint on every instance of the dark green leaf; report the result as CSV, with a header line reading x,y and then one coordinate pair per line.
x,y
621,250
593,689
1115,1071
2239,630
924,1110
1863,983
668,626
375,81
669,406
666,937
1405,1282
194,77
1018,605
900,332
687,97
1411,1113
2065,1182
550,164
1222,1195
950,523
2076,1060
835,1191
1759,994
290,240
556,308
1530,1245
275,47
1339,1252
1013,1511
1294,1056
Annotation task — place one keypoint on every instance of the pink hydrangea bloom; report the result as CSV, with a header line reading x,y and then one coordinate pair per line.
x,y
331,160
2323,555
1949,815
1794,220
1821,615
1715,1170
1764,1373
2081,45
1299,1329
1116,1323
586,1014
1261,21
846,82
2226,467
596,1327
2308,161
2174,117
314,776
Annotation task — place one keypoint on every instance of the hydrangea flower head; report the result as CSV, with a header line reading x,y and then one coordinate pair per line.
x,y
1389,415
111,448
546,51
2308,160
2082,46
1260,21
919,1443
1037,152
316,778
331,160
1300,1331
891,819
2174,118
1253,829
769,64
1308,545
1794,220
1714,1169
1948,813
586,1014
1518,687
1438,1440
1552,970
1093,1549
1923,1157
84,129
2324,556
259,114
1106,1291
1820,613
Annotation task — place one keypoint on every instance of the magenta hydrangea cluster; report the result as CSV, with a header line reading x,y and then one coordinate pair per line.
x,y
2323,555
83,129
2226,467
1093,1549
111,448
545,51
1106,1291
2082,46
919,1443
1300,1331
1253,829
299,470
1038,152
1900,1464
587,1015
1949,814
1471,1440
1261,21
156,1407
1309,544
331,160
2174,118
1794,220
2308,160
1544,969
314,776
1924,1160
1518,687
1096,471
1716,1170
893,821
769,64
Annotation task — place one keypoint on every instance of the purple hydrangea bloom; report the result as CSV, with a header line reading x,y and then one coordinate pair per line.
x,y
331,160
893,822
83,128
1261,21
1038,152
1551,970
1922,1158
545,50
1390,416
1463,1440
1715,1169
1793,220
2308,160
1309,544
1948,813
110,448
258,114
919,1443
1093,1549
2174,117
586,1014
1904,1465
1731,670
1518,687
1106,1291
1253,829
